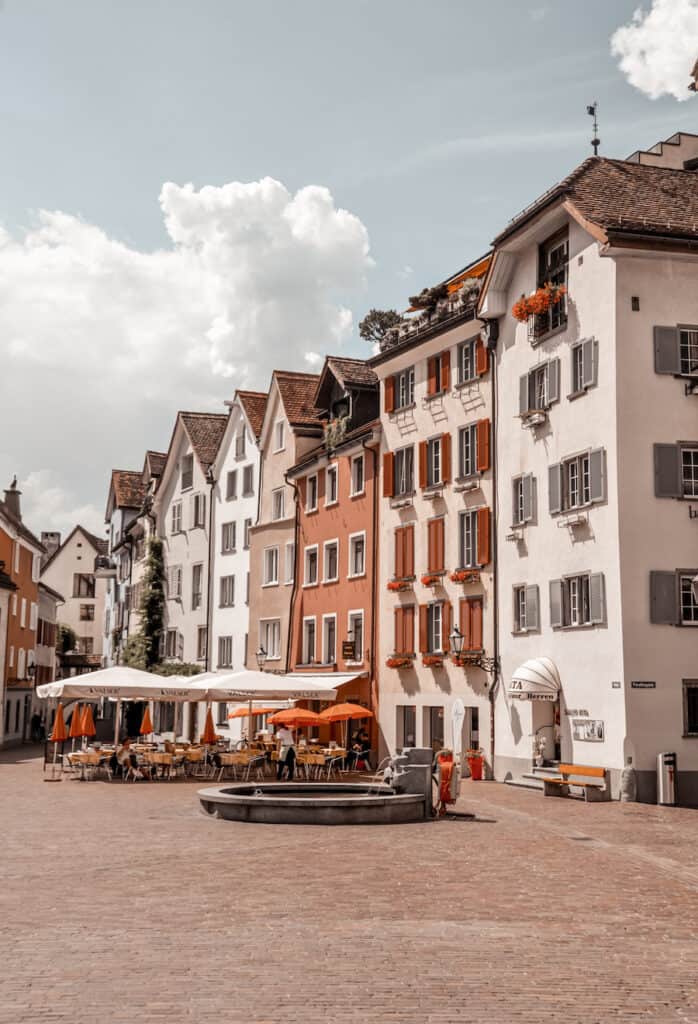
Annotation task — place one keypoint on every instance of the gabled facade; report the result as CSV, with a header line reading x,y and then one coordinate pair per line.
x,y
47,635
290,428
137,534
124,502
597,450
435,578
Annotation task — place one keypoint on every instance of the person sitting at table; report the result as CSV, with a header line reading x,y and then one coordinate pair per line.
x,y
287,753
360,746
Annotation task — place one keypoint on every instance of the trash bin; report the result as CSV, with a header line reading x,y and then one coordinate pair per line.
x,y
666,779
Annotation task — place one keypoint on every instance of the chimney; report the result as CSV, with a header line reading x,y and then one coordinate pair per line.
x,y
52,542
12,496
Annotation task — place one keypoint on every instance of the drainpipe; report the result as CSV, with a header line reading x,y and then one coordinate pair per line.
x,y
374,588
209,570
294,586
495,561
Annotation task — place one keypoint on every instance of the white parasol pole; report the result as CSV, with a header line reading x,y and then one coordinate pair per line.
x,y
117,717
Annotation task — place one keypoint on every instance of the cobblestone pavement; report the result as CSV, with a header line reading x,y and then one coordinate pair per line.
x,y
123,903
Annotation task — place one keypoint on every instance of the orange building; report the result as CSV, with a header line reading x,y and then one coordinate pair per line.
x,y
20,551
333,621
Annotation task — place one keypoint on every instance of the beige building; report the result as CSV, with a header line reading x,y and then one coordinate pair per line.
x,y
289,430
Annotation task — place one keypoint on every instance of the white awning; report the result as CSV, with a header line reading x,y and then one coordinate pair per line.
x,y
126,683
251,685
536,679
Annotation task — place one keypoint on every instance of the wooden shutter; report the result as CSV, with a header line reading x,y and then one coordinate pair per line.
x,y
590,360
445,458
667,352
446,626
423,629
483,536
597,598
482,358
439,543
532,607
527,488
408,629
399,631
389,394
555,603
422,464
408,550
597,474
553,381
388,474
431,545
523,395
555,488
668,481
483,445
432,369
445,359
399,553
476,643
664,598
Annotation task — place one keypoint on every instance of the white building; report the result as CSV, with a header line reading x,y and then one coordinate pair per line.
x,y
124,502
235,497
597,425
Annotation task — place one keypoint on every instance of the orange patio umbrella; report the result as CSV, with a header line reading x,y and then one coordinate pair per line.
x,y
88,722
294,717
146,724
343,712
76,724
59,733
243,712
209,734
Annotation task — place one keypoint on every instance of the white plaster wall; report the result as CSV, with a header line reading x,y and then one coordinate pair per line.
x,y
77,556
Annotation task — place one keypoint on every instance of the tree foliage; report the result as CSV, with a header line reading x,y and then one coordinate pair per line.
x,y
377,323
67,638
153,602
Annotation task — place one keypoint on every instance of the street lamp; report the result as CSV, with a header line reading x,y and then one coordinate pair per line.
x,y
261,657
457,640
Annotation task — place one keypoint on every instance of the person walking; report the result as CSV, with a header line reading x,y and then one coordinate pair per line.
x,y
287,753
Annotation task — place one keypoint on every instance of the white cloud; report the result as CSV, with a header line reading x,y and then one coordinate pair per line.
x,y
51,506
658,48
100,344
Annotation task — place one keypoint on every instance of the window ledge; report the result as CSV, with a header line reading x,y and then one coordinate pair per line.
x,y
535,342
309,586
437,394
334,579
689,735
466,383
356,575
402,408
467,483
273,583
574,395
310,511
331,504
358,494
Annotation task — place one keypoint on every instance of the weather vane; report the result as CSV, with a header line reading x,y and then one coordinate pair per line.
x,y
592,111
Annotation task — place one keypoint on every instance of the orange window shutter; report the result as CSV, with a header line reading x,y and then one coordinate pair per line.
x,y
483,536
388,474
482,358
439,544
408,550
446,627
445,359
431,547
399,649
399,554
464,623
389,394
422,464
432,370
476,624
408,629
423,629
446,458
483,445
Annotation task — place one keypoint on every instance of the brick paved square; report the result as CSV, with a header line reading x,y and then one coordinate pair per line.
x,y
124,903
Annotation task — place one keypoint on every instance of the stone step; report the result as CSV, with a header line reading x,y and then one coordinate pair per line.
x,y
525,782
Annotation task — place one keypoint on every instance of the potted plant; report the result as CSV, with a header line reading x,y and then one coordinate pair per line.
x,y
475,759
397,585
431,579
465,576
399,661
539,745
433,660
539,302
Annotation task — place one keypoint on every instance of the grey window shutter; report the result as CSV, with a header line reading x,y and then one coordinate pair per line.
x,y
597,474
523,395
514,502
553,381
527,486
590,358
597,598
664,598
667,356
667,471
532,608
555,603
554,488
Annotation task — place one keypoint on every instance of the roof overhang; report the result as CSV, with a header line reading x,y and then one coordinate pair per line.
x,y
536,679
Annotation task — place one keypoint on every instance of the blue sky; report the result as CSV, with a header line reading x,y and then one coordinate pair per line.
x,y
431,122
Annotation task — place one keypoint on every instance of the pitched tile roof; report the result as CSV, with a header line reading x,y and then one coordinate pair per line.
x,y
156,461
356,372
297,392
254,403
205,431
19,526
99,543
129,489
620,196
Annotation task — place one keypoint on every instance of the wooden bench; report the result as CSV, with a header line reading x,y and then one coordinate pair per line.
x,y
579,775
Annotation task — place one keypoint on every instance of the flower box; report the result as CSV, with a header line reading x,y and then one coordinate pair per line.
x,y
396,586
432,579
537,304
433,660
399,661
465,576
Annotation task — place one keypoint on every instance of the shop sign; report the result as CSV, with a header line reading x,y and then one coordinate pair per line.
x,y
348,650
643,684
576,713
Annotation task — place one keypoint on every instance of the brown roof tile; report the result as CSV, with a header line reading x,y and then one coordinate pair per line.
x,y
22,530
254,403
297,392
129,489
205,431
352,371
156,462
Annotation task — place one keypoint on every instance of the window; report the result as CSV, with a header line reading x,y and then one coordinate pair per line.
x,y
197,577
83,585
689,472
676,350
201,643
176,517
277,503
290,562
577,482
406,726
329,639
331,569
433,727
231,486
279,436
311,566
357,475
404,388
36,568
228,538
11,657
271,566
435,643
311,493
404,630
227,592
689,604
198,511
14,603
403,471
222,714
308,652
584,366
15,551
688,351
467,450
577,600
468,540
247,526
357,554
539,388
187,472
240,445
87,613
247,481
467,369
331,493
225,652
270,633
433,461
86,645
355,629
526,603
174,582
404,553
523,498
438,374
21,672
690,707
552,269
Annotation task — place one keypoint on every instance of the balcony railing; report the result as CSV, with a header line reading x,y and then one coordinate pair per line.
x,y
541,324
